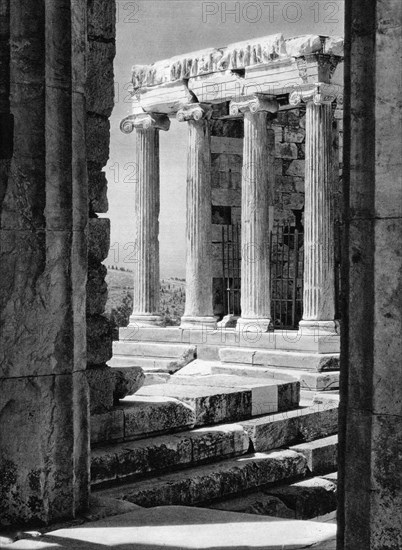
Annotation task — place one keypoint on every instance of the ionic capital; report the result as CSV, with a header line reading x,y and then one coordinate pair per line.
x,y
254,104
145,121
319,93
194,111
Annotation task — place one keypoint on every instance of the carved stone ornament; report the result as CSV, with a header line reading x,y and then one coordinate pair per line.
x,y
145,121
318,93
254,104
194,111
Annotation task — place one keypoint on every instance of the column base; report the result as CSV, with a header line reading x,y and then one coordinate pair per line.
x,y
198,322
145,320
229,321
255,324
319,328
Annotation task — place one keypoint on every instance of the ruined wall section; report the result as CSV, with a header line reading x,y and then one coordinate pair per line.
x,y
101,50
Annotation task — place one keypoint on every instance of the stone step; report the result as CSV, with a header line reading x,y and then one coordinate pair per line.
x,y
238,399
137,417
288,428
304,499
156,454
148,364
321,454
313,381
315,362
267,395
152,349
280,339
212,481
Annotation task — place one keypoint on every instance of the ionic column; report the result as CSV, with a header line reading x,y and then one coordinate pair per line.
x,y
319,275
257,184
198,309
146,212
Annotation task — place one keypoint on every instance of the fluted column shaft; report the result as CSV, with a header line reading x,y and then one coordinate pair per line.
x,y
319,275
257,185
255,223
198,309
146,213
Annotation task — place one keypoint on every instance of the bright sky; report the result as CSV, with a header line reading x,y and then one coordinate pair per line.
x,y
150,30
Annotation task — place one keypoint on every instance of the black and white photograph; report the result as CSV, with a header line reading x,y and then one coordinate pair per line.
x,y
200,275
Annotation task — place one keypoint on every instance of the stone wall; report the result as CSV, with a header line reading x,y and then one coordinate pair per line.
x,y
56,94
44,428
100,102
370,435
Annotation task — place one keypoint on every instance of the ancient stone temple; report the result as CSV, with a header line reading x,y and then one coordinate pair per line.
x,y
263,147
220,432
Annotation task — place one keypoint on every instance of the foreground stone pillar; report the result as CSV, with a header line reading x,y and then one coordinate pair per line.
x,y
198,310
319,274
44,409
370,435
257,188
146,204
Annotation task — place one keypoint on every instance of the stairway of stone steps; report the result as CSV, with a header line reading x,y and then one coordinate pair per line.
x,y
152,357
209,439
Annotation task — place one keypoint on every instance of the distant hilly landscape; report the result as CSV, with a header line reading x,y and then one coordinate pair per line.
x,y
120,297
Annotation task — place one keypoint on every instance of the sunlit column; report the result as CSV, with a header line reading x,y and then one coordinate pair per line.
x,y
319,273
257,188
198,309
146,215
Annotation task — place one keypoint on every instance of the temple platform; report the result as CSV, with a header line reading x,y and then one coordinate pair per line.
x,y
311,359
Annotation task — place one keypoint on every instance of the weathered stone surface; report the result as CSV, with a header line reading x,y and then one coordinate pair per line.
x,y
37,469
43,199
294,136
296,168
308,498
303,45
98,239
156,378
204,483
108,426
97,189
99,340
101,382
211,404
166,452
158,365
101,19
97,291
254,52
283,429
286,150
326,399
321,454
100,81
127,381
98,131
37,335
144,416
257,503
267,395
280,358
